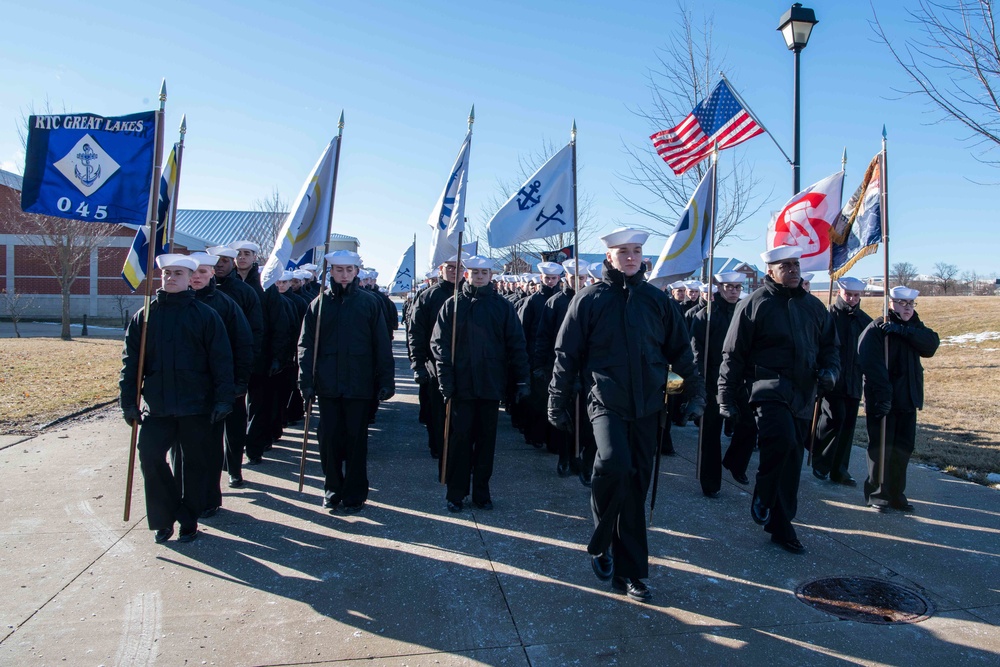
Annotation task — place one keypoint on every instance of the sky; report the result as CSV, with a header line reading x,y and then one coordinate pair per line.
x,y
263,84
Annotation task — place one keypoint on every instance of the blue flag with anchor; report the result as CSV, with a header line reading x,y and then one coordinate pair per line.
x,y
90,168
542,207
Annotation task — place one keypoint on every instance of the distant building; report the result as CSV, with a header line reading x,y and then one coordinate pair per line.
x,y
100,291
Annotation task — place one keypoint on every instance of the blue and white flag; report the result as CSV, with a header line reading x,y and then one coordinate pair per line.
x,y
90,168
135,263
447,218
402,280
858,230
304,259
544,205
306,226
691,241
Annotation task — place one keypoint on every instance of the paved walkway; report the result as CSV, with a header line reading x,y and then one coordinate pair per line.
x,y
274,580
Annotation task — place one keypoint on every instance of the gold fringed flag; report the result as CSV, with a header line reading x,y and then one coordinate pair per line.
x,y
858,230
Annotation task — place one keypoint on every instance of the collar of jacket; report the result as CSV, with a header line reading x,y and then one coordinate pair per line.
x,y
616,278
253,275
894,317
206,291
174,299
568,290
336,289
777,289
471,292
548,291
719,303
842,305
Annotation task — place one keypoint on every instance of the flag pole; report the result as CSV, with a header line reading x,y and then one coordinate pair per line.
x,y
454,330
413,280
319,307
754,116
172,219
884,205
708,307
829,301
576,282
151,215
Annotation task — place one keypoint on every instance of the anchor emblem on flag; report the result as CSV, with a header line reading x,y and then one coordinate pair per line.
x,y
90,175
529,199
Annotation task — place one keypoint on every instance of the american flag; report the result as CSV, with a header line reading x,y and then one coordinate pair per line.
x,y
718,118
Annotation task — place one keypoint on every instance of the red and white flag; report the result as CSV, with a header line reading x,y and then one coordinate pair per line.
x,y
805,221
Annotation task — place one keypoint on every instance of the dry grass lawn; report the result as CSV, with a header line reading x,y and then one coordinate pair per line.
x,y
42,379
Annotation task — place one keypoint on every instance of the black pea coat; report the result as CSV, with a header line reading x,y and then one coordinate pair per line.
x,y
722,316
530,313
553,314
237,329
248,301
279,334
902,382
849,322
422,320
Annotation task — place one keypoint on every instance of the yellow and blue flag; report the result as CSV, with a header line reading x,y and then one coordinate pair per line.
x,y
858,231
134,270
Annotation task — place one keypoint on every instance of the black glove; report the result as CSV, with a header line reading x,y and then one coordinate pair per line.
x,y
421,376
522,393
384,394
729,411
132,413
447,392
275,367
826,379
561,419
538,373
221,411
879,409
307,394
241,390
892,328
695,407
728,427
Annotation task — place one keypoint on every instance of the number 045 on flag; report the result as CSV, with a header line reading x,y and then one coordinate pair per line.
x,y
90,168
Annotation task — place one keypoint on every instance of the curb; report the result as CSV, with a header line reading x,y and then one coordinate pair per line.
x,y
78,413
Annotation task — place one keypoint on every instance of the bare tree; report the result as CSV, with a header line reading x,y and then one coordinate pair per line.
x,y
902,273
15,305
944,276
527,164
955,65
688,68
271,213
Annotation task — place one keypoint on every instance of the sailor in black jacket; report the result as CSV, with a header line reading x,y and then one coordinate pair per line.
x,y
488,349
187,385
228,282
353,365
529,310
893,394
422,320
783,338
835,427
710,461
241,345
278,341
289,401
619,340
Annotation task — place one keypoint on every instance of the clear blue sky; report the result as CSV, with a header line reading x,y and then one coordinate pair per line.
x,y
263,83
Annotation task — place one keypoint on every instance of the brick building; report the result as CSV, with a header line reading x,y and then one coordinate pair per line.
x,y
99,290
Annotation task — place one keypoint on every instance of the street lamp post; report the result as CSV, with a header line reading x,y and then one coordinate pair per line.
x,y
796,26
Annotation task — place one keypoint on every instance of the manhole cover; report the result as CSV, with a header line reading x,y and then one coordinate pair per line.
x,y
865,600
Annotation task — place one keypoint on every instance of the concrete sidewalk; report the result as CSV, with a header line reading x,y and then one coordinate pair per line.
x,y
275,580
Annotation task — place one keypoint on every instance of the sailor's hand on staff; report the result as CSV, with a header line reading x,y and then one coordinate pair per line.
x,y
447,391
132,414
561,419
729,411
421,376
826,379
307,394
878,409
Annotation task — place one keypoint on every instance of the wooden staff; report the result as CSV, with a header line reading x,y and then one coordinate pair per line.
x,y
576,284
319,309
884,188
708,307
151,215
178,157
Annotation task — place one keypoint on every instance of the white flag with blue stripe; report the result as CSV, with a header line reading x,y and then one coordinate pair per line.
x,y
447,218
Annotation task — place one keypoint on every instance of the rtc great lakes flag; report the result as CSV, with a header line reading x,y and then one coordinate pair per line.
x,y
135,264
306,226
447,218
858,230
688,246
543,206
90,168
402,280
806,220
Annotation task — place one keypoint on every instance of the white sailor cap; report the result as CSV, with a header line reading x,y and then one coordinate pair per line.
x,y
302,274
477,262
173,260
677,284
245,245
454,258
223,251
309,267
204,258
536,279
433,273
363,274
596,270
692,284
781,253
807,277
373,273
343,258
571,265
286,276
550,268
729,277
624,236
850,284
904,293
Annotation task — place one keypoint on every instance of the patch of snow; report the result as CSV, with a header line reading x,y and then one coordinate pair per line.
x,y
965,339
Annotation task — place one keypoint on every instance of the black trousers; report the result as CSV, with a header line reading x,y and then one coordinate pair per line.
x,y
900,434
343,448
782,439
535,415
284,385
835,436
215,459
422,392
236,437
471,448
260,400
296,406
742,444
622,473
435,418
710,461
168,499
